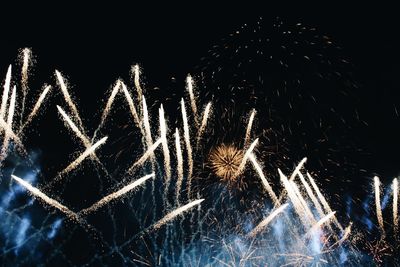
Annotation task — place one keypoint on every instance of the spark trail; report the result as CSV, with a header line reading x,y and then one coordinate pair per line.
x,y
6,91
136,74
249,151
379,215
248,129
109,103
267,220
395,189
146,155
179,159
147,129
10,118
203,125
170,216
321,222
26,55
189,86
37,193
164,142
188,145
120,193
36,107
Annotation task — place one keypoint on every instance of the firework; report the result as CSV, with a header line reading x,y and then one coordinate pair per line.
x,y
36,107
225,161
246,156
189,86
37,193
26,55
378,207
109,103
136,73
179,159
321,222
267,220
5,93
206,114
132,107
395,188
120,193
186,136
10,117
249,126
170,216
164,141
146,155
149,139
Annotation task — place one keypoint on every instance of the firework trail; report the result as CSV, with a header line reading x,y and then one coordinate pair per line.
x,y
132,107
311,195
302,201
24,78
146,155
164,142
248,129
89,151
37,193
120,193
323,201
136,74
109,103
10,118
267,220
6,90
189,87
36,107
246,156
170,216
395,189
264,179
67,98
146,122
203,125
186,136
179,159
321,222
379,215
9,132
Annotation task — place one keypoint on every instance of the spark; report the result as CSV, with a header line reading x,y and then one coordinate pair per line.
x,y
206,114
136,72
179,159
225,161
149,139
131,106
164,141
117,194
52,202
36,107
67,97
379,215
323,201
170,216
187,143
73,165
189,86
248,129
146,155
246,156
10,117
395,188
5,93
109,103
267,220
24,78
263,179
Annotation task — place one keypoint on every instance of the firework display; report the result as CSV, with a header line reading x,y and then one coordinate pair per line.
x,y
212,183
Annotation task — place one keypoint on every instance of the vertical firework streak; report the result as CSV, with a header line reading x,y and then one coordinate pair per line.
x,y
311,195
109,103
146,122
136,77
146,155
203,125
6,91
248,129
246,156
67,98
36,107
189,86
302,201
120,193
188,145
267,220
164,142
395,188
132,107
179,159
24,78
379,215
10,117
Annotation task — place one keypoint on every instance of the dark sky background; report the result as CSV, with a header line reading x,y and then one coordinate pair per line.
x,y
95,44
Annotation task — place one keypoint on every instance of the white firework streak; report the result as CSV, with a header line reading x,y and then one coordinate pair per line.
x,y
187,143
164,142
68,98
73,165
147,129
379,215
203,125
179,159
303,203
132,107
10,117
323,201
6,91
52,202
146,155
118,194
109,103
264,180
170,216
189,86
395,188
267,220
36,107
321,222
248,129
24,78
246,156
136,74
311,195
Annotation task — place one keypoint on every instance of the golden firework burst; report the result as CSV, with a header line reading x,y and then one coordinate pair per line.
x,y
225,161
